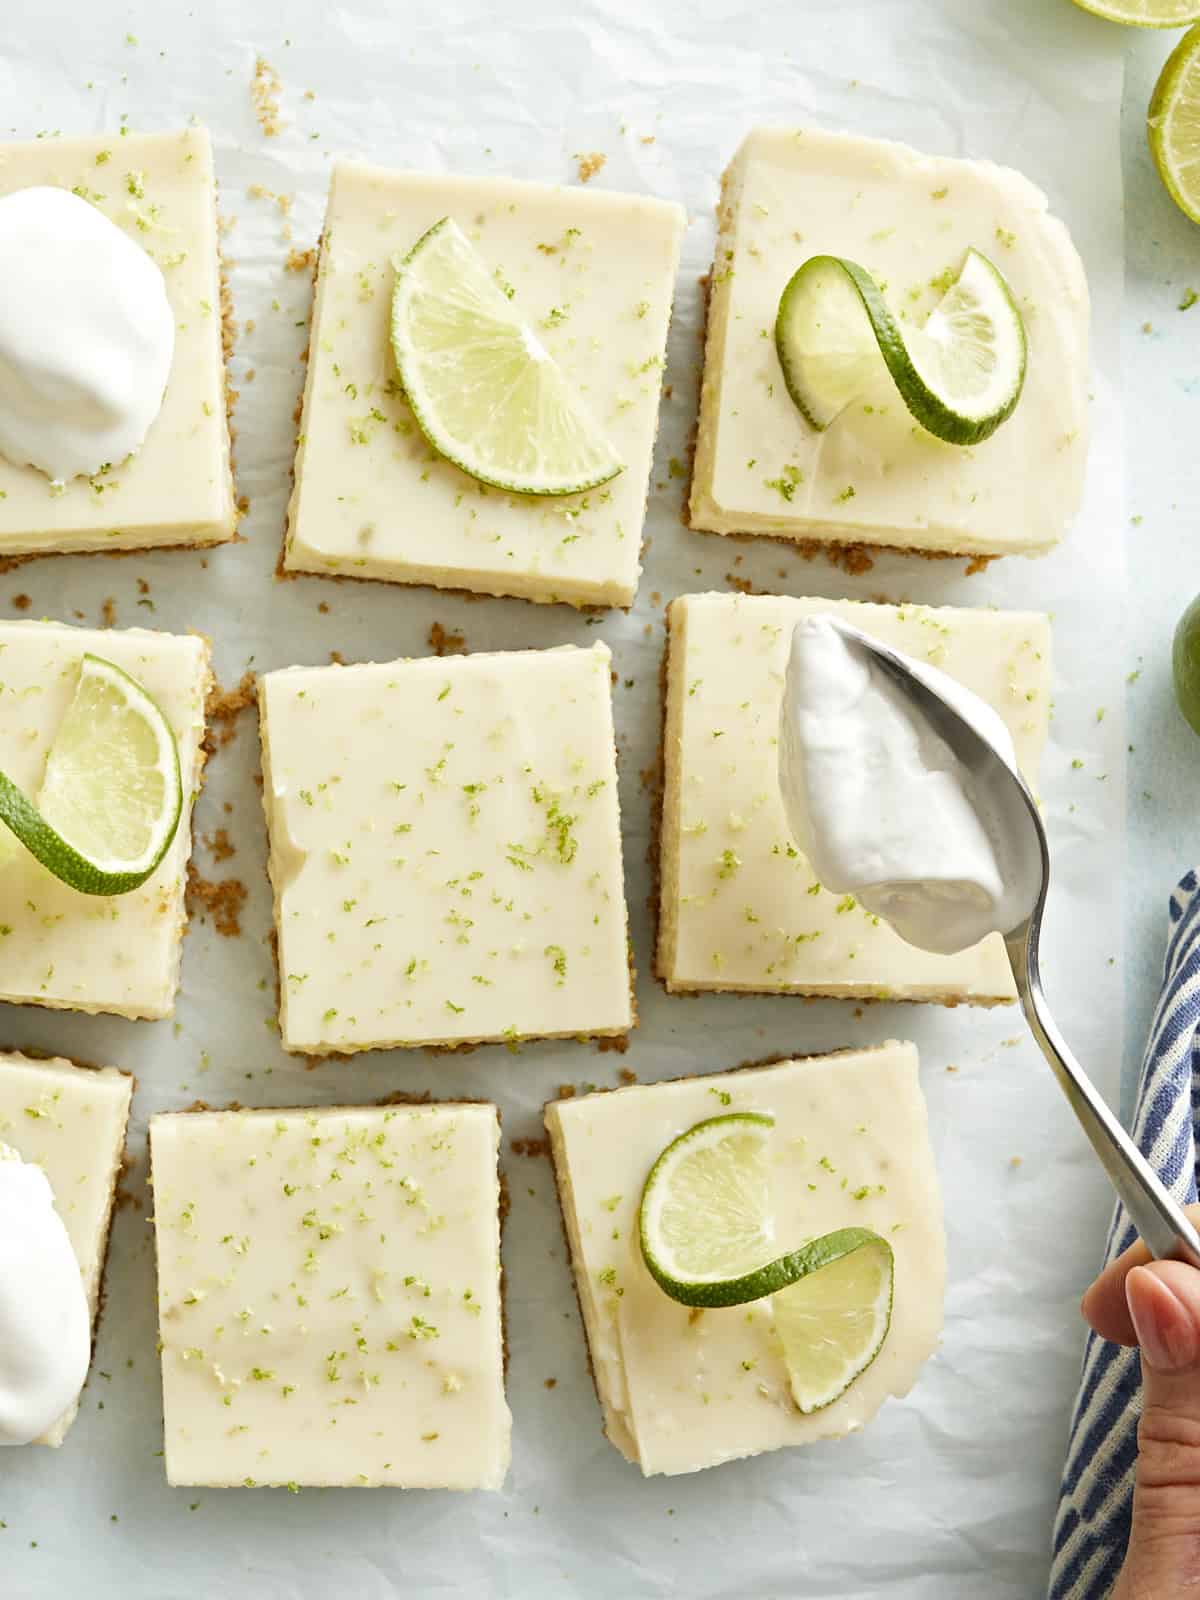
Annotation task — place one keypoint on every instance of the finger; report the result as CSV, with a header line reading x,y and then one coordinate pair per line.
x,y
1104,1305
1164,1307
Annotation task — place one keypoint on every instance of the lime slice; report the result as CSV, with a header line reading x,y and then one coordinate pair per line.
x,y
1144,13
111,797
832,1321
482,386
1173,124
960,375
1185,664
705,1217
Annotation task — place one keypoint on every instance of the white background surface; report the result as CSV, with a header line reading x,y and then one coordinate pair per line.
x,y
952,1491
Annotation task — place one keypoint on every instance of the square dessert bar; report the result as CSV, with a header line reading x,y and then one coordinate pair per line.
x,y
874,477
70,1121
594,273
58,947
740,906
177,489
445,848
684,1389
329,1296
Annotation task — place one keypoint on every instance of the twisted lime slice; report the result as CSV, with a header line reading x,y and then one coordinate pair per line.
x,y
1173,123
111,797
705,1230
960,375
482,386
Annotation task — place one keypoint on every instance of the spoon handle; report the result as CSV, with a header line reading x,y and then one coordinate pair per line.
x,y
1158,1217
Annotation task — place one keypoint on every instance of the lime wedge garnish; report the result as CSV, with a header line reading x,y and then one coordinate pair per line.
x,y
1173,124
705,1230
1144,13
833,1320
960,375
482,386
111,797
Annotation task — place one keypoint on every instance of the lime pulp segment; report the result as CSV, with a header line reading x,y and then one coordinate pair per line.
x,y
483,388
111,796
960,375
1173,124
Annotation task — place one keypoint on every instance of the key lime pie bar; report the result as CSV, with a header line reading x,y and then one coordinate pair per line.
x,y
113,429
60,947
740,906
683,1387
329,1296
446,850
874,476
591,275
70,1122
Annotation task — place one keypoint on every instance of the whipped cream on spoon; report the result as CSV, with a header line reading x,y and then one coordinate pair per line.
x,y
888,768
881,803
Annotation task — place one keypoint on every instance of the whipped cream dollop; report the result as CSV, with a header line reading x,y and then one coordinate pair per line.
x,y
881,805
86,336
45,1325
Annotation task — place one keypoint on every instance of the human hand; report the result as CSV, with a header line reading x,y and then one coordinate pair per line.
x,y
1156,1305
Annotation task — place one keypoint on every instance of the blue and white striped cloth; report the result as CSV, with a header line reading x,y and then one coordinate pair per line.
x,y
1092,1526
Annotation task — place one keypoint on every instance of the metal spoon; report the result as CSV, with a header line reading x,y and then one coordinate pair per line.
x,y
1021,838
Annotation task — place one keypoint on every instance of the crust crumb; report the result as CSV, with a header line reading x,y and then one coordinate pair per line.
x,y
977,564
222,900
224,708
589,165
259,191
265,89
530,1147
566,1091
300,260
618,1042
446,644
219,845
627,1077
21,602
109,612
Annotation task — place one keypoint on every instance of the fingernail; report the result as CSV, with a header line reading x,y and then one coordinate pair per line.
x,y
1165,1343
